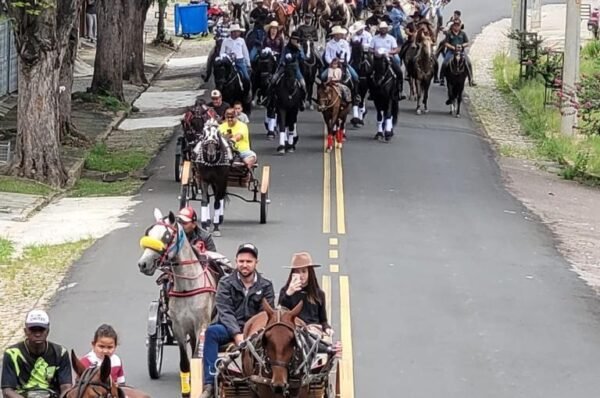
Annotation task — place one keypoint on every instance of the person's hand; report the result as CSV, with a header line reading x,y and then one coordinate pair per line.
x,y
295,286
329,332
238,338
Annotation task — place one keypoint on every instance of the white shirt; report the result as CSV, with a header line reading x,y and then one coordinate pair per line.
x,y
236,47
387,43
333,47
365,38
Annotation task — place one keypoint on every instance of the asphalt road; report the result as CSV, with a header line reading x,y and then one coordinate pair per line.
x,y
441,283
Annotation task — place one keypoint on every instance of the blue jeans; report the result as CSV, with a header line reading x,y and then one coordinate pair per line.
x,y
243,68
253,53
396,59
216,335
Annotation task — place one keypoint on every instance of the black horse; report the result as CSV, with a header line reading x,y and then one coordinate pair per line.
x,y
309,68
362,62
240,15
383,90
264,67
287,98
231,85
456,75
212,162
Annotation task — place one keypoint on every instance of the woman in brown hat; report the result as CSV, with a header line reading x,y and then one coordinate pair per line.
x,y
302,285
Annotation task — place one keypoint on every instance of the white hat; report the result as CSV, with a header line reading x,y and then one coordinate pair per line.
x,y
215,94
272,24
338,30
356,26
382,25
236,28
37,318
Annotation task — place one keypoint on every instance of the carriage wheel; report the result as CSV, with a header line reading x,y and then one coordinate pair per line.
x,y
155,342
264,194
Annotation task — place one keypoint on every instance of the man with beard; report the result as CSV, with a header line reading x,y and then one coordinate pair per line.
x,y
239,298
36,364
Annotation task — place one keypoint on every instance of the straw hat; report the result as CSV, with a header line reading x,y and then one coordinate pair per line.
x,y
236,28
356,26
383,25
338,30
302,260
272,24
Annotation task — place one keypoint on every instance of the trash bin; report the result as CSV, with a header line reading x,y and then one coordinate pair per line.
x,y
191,19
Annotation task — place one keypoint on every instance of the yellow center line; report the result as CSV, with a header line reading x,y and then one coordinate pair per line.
x,y
333,268
347,365
333,254
326,285
326,190
339,190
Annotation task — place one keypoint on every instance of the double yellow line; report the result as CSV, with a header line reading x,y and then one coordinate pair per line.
x,y
346,364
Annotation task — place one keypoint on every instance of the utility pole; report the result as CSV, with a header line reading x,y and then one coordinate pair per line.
x,y
536,15
516,21
571,65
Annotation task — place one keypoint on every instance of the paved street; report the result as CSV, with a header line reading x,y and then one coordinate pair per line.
x,y
441,284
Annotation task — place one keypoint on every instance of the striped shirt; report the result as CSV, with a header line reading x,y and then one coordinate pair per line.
x,y
116,373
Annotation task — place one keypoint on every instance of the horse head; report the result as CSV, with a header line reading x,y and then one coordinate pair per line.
x,y
161,243
223,68
209,148
93,382
280,344
381,62
326,97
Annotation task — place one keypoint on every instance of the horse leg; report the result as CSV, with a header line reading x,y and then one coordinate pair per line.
x,y
389,125
426,85
330,134
205,209
419,94
380,121
216,216
282,141
271,124
184,361
458,102
290,147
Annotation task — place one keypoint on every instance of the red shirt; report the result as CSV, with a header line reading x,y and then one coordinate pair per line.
x,y
116,373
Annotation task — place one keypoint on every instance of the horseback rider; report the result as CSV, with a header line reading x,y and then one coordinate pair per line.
x,y
334,76
361,35
338,47
221,32
273,39
218,104
306,30
239,297
236,46
260,14
292,52
454,38
254,40
234,130
384,43
198,237
378,16
36,364
397,17
411,32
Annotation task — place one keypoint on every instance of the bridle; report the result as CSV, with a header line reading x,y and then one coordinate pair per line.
x,y
279,323
86,381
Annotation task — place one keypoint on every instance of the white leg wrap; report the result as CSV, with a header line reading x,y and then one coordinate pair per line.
x,y
388,124
216,214
291,135
355,112
380,127
272,123
282,138
222,209
205,214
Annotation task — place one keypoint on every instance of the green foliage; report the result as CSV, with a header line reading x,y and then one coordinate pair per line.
x,y
33,7
86,187
6,250
24,186
107,101
102,159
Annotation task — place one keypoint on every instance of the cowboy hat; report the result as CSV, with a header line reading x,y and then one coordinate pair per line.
x,y
338,30
272,24
302,260
236,28
383,25
356,26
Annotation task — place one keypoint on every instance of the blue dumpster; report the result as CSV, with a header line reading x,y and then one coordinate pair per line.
x,y
191,19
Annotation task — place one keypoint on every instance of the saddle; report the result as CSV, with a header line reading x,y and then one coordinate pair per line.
x,y
343,91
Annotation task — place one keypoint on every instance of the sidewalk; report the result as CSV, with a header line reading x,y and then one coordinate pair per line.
x,y
568,208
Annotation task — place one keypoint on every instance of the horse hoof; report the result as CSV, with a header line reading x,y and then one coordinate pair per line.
x,y
216,233
311,107
457,116
270,136
426,111
378,136
281,150
328,149
419,112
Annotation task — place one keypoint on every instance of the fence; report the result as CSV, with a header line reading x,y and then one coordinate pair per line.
x,y
8,59
4,152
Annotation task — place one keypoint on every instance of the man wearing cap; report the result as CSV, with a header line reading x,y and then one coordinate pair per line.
x,y
386,44
218,104
236,47
237,131
221,32
35,363
189,221
239,297
454,38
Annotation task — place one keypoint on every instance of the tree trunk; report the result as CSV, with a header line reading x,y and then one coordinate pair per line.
x,y
108,65
67,129
161,35
135,12
38,147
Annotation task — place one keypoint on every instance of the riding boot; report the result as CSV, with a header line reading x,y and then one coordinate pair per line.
x,y
443,74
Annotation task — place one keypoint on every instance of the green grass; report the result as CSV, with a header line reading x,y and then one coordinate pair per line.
x,y
542,123
21,185
107,102
86,187
6,250
102,159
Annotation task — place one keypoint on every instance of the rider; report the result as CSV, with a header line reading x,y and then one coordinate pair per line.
x,y
456,16
239,112
361,35
378,16
237,131
411,32
338,47
218,104
397,16
236,46
292,52
259,14
239,298
457,37
306,30
334,75
36,363
386,43
273,38
254,40
221,32
105,344
199,238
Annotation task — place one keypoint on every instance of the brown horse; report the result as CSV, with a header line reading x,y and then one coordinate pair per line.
x,y
95,382
283,14
335,111
275,331
421,67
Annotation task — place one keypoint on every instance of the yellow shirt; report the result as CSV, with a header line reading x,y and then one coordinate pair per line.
x,y
239,128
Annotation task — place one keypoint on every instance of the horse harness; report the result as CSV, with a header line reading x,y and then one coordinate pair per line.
x,y
85,382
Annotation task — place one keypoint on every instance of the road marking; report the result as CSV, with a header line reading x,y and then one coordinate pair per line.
x,y
333,268
326,190
333,253
347,366
333,241
326,285
339,190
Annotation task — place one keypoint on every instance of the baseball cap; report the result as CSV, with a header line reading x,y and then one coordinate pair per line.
x,y
37,318
215,94
248,248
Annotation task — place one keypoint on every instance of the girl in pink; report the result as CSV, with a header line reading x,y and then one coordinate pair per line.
x,y
105,343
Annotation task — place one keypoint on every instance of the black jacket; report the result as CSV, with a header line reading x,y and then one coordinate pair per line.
x,y
312,313
234,308
203,235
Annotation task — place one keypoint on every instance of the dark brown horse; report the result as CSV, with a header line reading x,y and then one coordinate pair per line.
x,y
275,330
421,67
283,14
95,382
335,111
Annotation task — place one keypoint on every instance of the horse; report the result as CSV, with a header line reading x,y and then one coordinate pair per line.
x,y
287,99
230,83
362,62
341,14
212,163
275,332
456,74
192,295
95,382
239,13
421,67
263,70
282,14
321,21
335,111
383,89
309,67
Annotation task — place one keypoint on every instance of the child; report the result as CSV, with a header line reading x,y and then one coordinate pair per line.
x,y
334,76
105,343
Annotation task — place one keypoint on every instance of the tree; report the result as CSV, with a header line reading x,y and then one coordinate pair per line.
x,y
161,34
108,65
134,16
42,29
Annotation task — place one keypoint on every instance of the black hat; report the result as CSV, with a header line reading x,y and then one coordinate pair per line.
x,y
248,248
295,35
